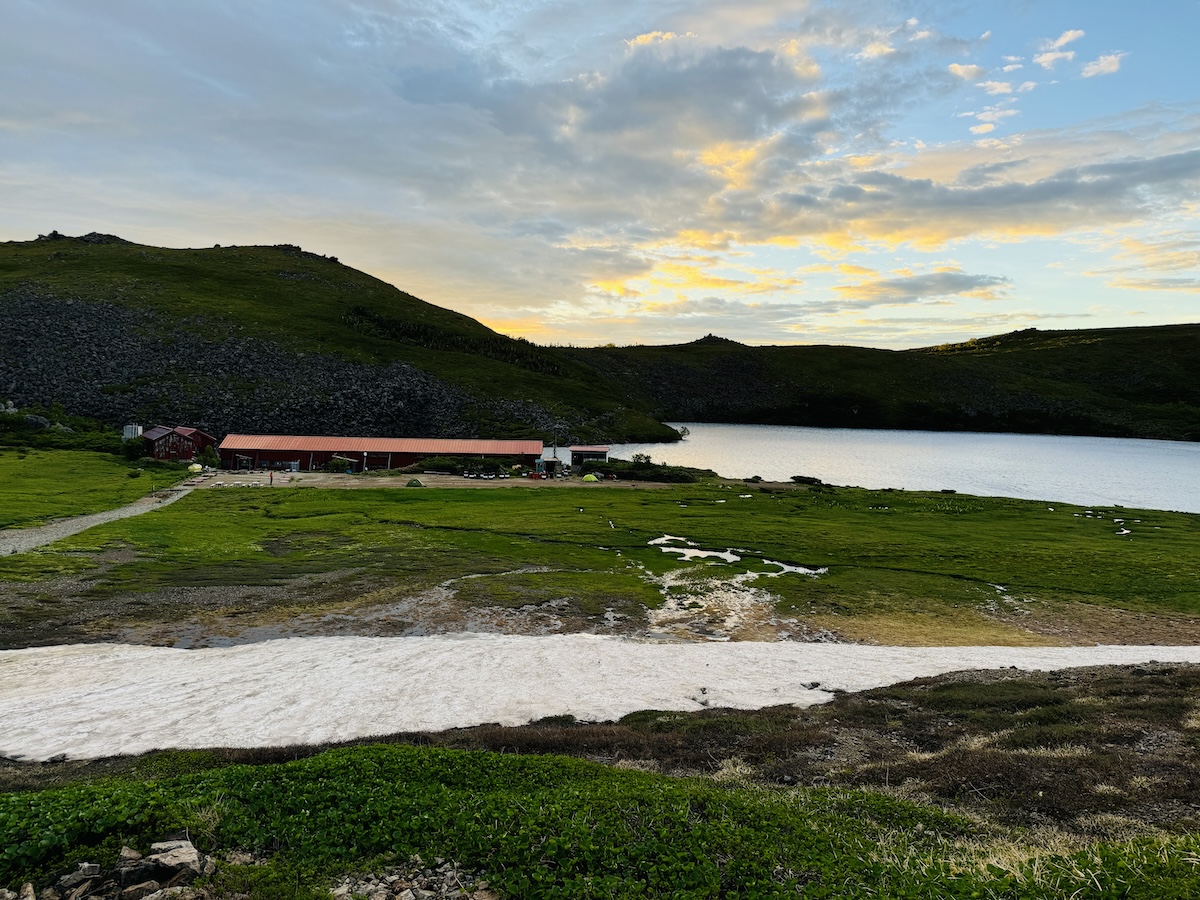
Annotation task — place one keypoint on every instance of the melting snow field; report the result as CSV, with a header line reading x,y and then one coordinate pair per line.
x,y
104,699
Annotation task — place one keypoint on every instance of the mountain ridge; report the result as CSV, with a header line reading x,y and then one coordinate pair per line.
x,y
277,338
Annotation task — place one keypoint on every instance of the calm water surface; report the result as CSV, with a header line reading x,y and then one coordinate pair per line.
x,y
1082,470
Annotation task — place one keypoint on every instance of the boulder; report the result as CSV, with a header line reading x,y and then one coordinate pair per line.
x,y
140,890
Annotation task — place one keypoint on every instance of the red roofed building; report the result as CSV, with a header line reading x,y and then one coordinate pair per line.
x,y
308,452
178,443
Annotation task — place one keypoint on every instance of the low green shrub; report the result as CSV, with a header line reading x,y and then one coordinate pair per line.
x,y
641,468
550,827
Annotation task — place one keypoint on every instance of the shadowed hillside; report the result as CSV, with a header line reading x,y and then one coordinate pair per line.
x,y
280,339
1127,382
276,339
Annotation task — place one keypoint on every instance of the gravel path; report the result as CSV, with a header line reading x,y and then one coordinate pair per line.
x,y
19,540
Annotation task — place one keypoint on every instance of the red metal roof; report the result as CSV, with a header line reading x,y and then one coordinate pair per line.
x,y
431,446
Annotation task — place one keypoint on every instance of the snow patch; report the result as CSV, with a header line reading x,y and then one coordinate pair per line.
x,y
102,699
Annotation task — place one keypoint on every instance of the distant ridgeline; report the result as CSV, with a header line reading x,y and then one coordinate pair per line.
x,y
278,339
1121,382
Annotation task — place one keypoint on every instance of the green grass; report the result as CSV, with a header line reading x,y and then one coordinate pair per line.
x,y
49,484
926,567
552,827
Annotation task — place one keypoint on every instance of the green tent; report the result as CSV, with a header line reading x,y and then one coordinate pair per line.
x,y
590,477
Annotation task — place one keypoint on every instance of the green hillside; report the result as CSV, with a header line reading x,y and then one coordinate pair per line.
x,y
309,303
1131,382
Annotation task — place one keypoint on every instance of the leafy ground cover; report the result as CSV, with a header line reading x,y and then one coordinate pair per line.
x,y
49,484
1047,824
900,567
74,433
642,468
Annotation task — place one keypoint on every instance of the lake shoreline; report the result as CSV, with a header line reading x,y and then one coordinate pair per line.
x,y
1127,472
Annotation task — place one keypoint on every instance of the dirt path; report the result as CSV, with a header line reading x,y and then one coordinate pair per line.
x,y
20,540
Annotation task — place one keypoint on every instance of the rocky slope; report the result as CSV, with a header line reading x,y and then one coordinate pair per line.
x,y
119,365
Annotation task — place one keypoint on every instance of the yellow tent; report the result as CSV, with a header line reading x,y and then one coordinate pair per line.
x,y
590,477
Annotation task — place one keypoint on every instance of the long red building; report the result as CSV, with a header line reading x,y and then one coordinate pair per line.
x,y
308,452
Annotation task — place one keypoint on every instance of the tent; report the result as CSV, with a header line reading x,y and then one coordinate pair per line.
x,y
590,477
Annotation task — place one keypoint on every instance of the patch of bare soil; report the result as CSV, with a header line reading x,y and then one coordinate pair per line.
x,y
1081,624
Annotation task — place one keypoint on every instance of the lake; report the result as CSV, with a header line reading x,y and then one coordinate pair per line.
x,y
1081,470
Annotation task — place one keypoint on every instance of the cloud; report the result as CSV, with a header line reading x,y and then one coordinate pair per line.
x,y
967,73
1105,65
996,114
1048,59
933,285
656,37
996,87
876,49
1052,50
722,307
1170,262
1066,38
1187,285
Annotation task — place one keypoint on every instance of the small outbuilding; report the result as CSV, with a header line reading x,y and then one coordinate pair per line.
x,y
179,443
581,454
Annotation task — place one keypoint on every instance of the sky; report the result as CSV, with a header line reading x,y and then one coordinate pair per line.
x,y
864,172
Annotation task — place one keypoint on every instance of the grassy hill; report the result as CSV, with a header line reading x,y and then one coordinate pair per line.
x,y
1129,382
336,326
306,304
